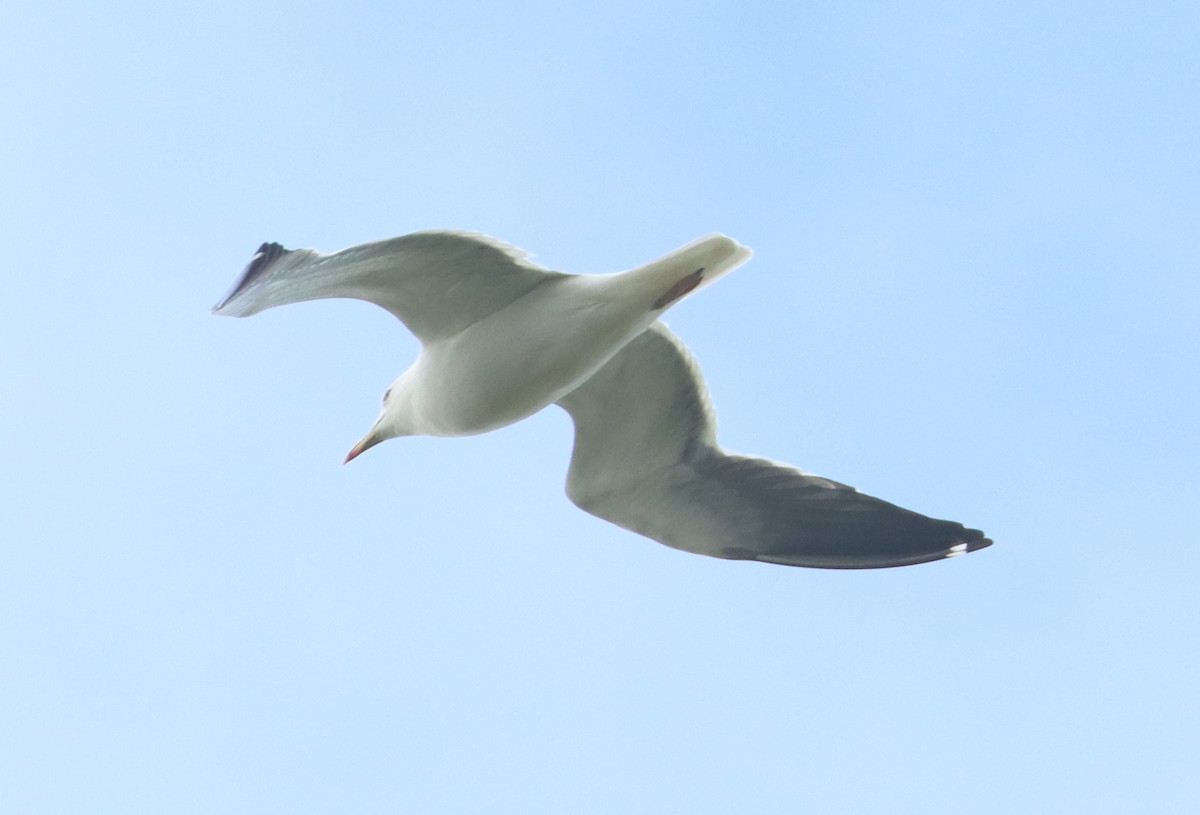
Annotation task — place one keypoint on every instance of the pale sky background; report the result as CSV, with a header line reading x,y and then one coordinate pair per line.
x,y
974,293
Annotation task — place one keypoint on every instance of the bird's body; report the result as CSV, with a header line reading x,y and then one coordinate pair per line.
x,y
503,338
537,349
532,367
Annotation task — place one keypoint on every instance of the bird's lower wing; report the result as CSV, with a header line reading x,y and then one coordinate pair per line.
x,y
646,459
436,282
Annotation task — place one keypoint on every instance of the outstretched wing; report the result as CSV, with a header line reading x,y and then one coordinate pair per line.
x,y
646,459
437,283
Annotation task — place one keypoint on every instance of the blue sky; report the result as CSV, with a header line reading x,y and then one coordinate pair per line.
x,y
974,294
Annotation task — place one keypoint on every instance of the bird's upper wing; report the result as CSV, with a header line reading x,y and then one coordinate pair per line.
x,y
646,459
436,282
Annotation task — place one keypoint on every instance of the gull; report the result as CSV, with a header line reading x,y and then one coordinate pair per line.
x,y
502,338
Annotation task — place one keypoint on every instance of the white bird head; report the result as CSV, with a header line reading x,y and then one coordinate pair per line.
x,y
392,422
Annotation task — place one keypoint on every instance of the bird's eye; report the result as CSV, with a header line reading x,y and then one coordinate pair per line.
x,y
386,394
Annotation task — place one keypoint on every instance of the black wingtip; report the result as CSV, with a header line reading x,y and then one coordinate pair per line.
x,y
972,541
267,254
980,543
264,257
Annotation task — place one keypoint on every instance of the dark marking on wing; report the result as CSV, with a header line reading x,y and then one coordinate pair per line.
x,y
263,259
681,287
267,254
978,543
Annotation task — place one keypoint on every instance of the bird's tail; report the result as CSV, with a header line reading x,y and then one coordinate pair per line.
x,y
690,268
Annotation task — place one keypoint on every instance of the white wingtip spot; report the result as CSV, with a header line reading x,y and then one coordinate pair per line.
x,y
957,549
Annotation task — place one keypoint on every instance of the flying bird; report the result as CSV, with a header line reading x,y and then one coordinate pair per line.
x,y
502,338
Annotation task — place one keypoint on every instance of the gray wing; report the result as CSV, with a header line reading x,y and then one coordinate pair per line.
x,y
437,283
646,459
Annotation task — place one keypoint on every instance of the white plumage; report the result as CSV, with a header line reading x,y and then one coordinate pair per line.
x,y
503,338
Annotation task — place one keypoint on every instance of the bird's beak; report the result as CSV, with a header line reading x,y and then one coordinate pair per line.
x,y
366,443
